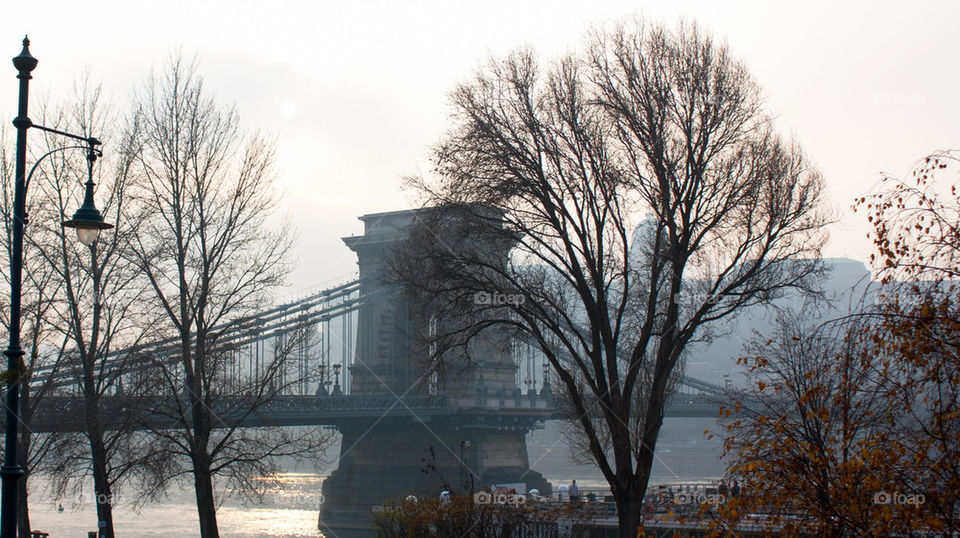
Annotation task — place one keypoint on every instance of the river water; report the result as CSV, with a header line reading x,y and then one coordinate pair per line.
x,y
289,509
290,506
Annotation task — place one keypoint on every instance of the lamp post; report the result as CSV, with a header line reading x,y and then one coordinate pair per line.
x,y
545,392
87,221
463,488
336,384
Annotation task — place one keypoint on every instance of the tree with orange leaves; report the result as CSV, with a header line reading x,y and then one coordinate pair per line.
x,y
916,224
853,426
808,442
916,231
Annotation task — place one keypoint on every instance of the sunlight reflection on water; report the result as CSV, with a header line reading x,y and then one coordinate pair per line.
x,y
289,509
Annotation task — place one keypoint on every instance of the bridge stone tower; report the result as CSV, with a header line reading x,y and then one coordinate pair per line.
x,y
473,439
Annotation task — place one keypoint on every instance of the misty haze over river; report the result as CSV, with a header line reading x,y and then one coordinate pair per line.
x,y
684,454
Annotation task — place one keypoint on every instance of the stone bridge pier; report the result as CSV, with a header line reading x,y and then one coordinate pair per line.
x,y
480,439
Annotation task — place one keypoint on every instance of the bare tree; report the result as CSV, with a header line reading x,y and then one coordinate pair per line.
x,y
209,259
45,352
101,310
542,182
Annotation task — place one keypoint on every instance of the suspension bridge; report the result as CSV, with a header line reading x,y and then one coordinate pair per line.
x,y
317,396
351,362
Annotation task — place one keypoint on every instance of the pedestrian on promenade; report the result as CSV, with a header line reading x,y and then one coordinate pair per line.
x,y
573,492
722,488
735,489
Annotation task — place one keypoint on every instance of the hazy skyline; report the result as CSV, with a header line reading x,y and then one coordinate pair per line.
x,y
355,93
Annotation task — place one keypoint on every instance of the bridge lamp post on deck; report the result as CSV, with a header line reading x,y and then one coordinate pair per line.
x,y
336,384
463,482
87,221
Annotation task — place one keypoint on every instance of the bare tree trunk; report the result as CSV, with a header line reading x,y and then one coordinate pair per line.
x,y
206,507
630,518
101,485
23,511
200,456
629,504
23,458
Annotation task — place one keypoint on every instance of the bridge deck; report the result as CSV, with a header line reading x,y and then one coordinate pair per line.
x,y
63,413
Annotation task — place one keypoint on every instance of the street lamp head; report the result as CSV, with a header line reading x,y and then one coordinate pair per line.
x,y
87,220
25,63
336,368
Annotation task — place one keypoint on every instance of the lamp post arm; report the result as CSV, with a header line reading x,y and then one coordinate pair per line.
x,y
91,141
91,147
33,168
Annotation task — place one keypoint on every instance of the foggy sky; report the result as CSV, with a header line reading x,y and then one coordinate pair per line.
x,y
355,92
